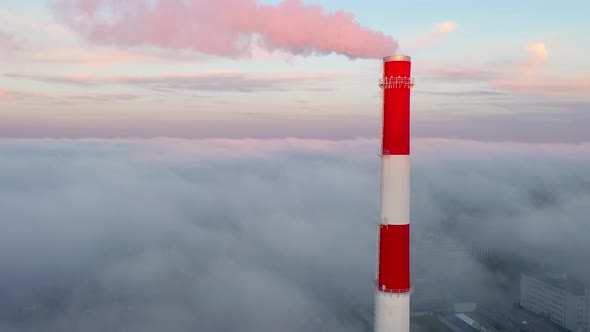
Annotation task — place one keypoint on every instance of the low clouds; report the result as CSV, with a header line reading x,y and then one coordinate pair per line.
x,y
4,95
528,78
459,73
538,120
101,56
248,235
547,86
8,43
11,95
67,99
519,77
224,28
206,81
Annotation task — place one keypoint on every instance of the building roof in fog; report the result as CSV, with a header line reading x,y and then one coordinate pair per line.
x,y
458,323
465,323
562,282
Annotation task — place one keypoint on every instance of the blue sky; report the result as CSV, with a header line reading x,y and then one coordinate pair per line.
x,y
496,70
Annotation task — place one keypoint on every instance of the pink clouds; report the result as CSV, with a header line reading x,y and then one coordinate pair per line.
x,y
445,27
538,50
529,75
204,81
439,31
224,27
8,43
528,80
538,55
92,56
4,95
547,86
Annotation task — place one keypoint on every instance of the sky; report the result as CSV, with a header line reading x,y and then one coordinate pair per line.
x,y
492,71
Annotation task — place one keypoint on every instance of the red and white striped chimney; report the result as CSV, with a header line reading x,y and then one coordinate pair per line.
x,y
392,294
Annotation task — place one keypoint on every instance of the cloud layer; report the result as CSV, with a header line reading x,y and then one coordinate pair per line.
x,y
224,28
248,235
204,81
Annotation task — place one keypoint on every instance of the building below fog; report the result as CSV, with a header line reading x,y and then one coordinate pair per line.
x,y
555,296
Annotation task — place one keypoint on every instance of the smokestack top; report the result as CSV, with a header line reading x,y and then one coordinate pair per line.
x,y
397,58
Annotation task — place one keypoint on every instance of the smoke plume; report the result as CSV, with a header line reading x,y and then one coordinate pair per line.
x,y
224,27
264,235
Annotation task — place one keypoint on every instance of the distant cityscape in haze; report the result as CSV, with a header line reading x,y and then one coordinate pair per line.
x,y
529,298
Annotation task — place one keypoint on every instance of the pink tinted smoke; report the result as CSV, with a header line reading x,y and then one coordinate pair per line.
x,y
224,27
